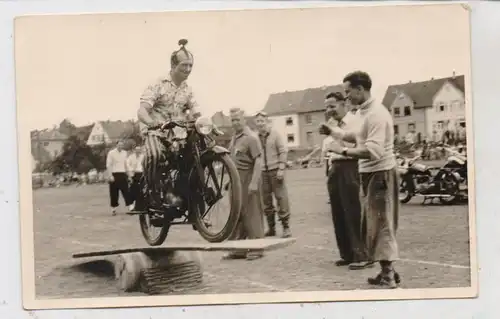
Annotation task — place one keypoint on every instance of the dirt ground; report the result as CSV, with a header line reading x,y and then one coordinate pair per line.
x,y
433,239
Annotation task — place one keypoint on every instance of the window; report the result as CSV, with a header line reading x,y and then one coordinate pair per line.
x,y
396,129
308,119
396,111
289,121
407,111
309,138
411,127
290,138
456,106
438,126
441,107
45,143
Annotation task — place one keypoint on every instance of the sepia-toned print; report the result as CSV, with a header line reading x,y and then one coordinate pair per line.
x,y
251,156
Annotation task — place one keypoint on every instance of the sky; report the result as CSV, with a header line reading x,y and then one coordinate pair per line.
x,y
94,67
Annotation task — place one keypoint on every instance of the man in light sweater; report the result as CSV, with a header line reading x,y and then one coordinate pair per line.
x,y
274,157
377,166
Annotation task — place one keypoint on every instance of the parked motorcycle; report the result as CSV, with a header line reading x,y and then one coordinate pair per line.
x,y
445,182
185,194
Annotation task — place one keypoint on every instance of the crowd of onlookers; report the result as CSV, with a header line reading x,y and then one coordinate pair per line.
x,y
47,179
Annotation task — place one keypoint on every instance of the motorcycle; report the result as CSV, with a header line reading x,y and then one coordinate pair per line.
x,y
183,190
445,182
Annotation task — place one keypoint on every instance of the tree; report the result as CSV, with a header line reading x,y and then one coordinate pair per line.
x,y
76,156
132,135
67,128
99,154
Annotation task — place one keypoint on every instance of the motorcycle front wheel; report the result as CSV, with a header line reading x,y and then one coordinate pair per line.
x,y
221,165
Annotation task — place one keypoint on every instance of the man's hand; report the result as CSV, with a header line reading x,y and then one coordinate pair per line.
x,y
324,129
111,179
253,187
280,174
337,133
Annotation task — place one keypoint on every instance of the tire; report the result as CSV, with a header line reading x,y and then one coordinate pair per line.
x,y
158,240
408,196
451,200
235,200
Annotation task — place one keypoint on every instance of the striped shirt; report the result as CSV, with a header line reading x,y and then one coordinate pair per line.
x,y
166,101
116,161
274,151
376,133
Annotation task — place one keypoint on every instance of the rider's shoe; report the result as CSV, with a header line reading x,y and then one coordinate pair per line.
x,y
131,207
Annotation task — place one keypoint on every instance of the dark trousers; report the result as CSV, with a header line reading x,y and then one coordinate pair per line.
x,y
120,184
135,187
343,189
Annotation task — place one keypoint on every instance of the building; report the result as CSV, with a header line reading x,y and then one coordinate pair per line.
x,y
47,144
223,122
427,108
108,132
51,140
297,115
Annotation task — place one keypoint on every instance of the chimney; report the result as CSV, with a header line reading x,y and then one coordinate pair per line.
x,y
432,78
409,81
454,74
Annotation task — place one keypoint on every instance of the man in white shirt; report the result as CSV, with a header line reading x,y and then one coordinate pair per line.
x,y
343,188
135,171
116,167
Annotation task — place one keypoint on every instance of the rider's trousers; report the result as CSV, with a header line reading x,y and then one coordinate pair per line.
x,y
155,150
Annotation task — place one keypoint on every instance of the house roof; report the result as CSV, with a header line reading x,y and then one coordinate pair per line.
x,y
48,135
84,131
116,129
221,120
423,92
313,99
224,121
303,101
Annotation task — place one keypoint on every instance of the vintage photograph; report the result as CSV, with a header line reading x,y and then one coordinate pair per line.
x,y
246,156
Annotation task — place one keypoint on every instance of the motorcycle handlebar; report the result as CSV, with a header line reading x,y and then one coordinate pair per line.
x,y
170,125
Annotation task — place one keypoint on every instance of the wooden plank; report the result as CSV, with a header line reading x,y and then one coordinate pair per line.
x,y
264,244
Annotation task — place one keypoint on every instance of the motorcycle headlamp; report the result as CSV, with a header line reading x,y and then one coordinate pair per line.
x,y
204,125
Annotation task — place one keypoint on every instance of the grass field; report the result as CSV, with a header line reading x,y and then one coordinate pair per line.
x,y
433,240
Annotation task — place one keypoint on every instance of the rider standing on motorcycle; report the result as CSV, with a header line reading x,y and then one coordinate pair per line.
x,y
165,100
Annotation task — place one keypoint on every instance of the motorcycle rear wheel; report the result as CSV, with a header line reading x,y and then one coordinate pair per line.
x,y
199,207
162,223
403,188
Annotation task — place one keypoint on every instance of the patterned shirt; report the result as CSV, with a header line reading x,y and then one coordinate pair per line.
x,y
167,101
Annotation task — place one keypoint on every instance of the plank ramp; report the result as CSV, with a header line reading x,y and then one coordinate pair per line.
x,y
264,244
